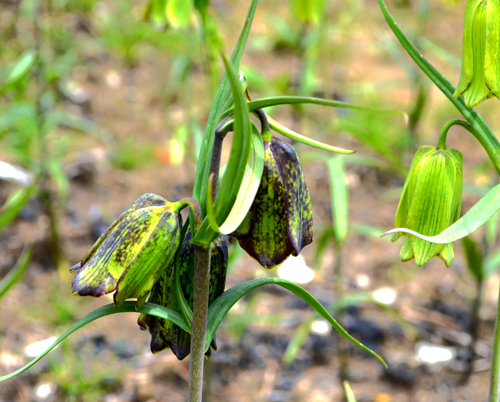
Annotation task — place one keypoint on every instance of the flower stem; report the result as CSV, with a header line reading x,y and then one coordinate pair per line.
x,y
199,326
491,149
495,360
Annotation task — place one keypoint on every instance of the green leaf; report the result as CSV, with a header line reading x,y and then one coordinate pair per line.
x,y
223,304
223,93
298,100
248,189
236,167
58,174
474,258
16,272
348,392
20,69
178,12
483,210
14,204
126,307
279,128
339,198
486,138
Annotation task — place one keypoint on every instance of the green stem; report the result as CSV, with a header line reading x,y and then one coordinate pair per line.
x,y
491,148
199,328
495,360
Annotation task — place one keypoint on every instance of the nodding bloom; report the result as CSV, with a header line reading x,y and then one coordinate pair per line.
x,y
480,75
430,202
132,254
279,222
165,334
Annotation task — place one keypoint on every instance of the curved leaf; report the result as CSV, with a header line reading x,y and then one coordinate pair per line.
x,y
14,204
295,100
127,307
236,167
223,304
20,69
281,129
483,210
248,189
221,97
16,272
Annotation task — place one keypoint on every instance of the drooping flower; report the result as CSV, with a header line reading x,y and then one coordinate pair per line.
x,y
279,222
165,334
480,75
430,202
130,256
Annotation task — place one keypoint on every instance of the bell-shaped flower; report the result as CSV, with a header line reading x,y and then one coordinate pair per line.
x,y
165,334
130,256
279,222
430,202
480,75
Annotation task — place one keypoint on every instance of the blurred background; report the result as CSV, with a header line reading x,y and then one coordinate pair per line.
x,y
103,101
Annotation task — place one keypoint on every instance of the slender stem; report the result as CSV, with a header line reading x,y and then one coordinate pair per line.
x,y
199,328
492,150
495,360
264,122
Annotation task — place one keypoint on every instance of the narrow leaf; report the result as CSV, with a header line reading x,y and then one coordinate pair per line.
x,y
14,204
20,69
16,272
223,304
348,392
483,210
474,258
221,97
127,307
235,170
279,128
298,100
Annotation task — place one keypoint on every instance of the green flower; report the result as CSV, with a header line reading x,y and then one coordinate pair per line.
x,y
130,256
165,334
480,75
430,202
279,222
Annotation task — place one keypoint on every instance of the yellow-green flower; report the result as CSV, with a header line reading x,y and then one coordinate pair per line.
x,y
480,75
430,202
131,255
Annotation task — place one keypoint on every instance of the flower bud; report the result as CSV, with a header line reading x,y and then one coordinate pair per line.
x,y
480,75
131,254
279,222
430,202
165,334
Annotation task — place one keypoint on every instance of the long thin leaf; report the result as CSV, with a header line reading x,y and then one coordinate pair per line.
x,y
298,100
223,304
487,138
348,392
127,307
483,210
16,272
14,204
237,165
221,97
20,69
279,128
